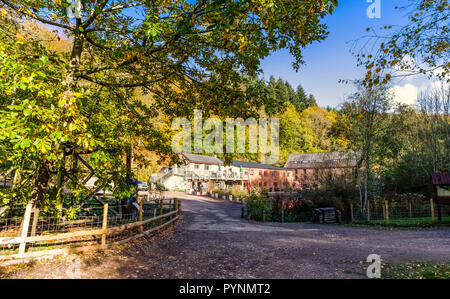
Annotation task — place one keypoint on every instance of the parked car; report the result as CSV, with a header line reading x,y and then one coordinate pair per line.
x,y
142,186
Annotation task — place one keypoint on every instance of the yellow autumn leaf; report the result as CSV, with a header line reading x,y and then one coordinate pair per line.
x,y
4,12
19,37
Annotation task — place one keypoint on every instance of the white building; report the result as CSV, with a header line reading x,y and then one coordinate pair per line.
x,y
199,173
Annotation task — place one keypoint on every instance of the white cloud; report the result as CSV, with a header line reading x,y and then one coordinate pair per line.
x,y
406,94
431,85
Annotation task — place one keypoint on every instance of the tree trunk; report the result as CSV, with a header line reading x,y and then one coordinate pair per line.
x,y
40,184
128,161
18,175
59,185
39,187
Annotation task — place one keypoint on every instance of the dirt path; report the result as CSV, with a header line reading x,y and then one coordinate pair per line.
x,y
214,242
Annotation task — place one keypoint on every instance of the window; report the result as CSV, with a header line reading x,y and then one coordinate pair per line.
x,y
207,167
260,172
196,166
265,184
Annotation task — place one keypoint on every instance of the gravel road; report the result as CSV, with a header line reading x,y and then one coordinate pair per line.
x,y
212,241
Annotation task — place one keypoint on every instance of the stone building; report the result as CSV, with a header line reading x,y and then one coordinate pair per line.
x,y
313,169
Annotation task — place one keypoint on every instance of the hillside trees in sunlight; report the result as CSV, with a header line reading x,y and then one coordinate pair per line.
x,y
277,92
295,137
313,130
185,54
321,122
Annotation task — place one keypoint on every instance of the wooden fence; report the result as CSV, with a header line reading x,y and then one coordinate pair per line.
x,y
139,228
401,213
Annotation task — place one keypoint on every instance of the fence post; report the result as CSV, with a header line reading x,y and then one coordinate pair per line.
x,y
351,213
141,205
368,211
263,216
104,223
26,223
161,210
170,205
386,204
432,209
177,204
282,216
35,221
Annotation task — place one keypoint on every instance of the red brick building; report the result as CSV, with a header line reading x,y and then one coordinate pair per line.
x,y
264,177
313,169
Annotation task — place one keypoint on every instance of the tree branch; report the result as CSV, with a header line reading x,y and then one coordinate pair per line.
x,y
35,17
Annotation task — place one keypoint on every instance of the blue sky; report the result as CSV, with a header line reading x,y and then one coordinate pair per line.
x,y
330,60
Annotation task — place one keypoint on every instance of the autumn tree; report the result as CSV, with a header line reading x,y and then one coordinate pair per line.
x,y
367,109
184,54
419,47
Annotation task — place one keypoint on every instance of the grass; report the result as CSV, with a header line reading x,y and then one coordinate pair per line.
x,y
412,221
419,222
416,270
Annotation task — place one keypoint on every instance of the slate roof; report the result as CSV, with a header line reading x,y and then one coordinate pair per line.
x,y
328,159
211,160
202,159
246,164
441,178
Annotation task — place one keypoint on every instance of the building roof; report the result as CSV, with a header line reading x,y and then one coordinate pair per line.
x,y
441,178
202,159
246,164
331,159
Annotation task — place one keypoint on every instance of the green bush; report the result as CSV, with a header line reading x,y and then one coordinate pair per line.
x,y
239,194
257,206
223,193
